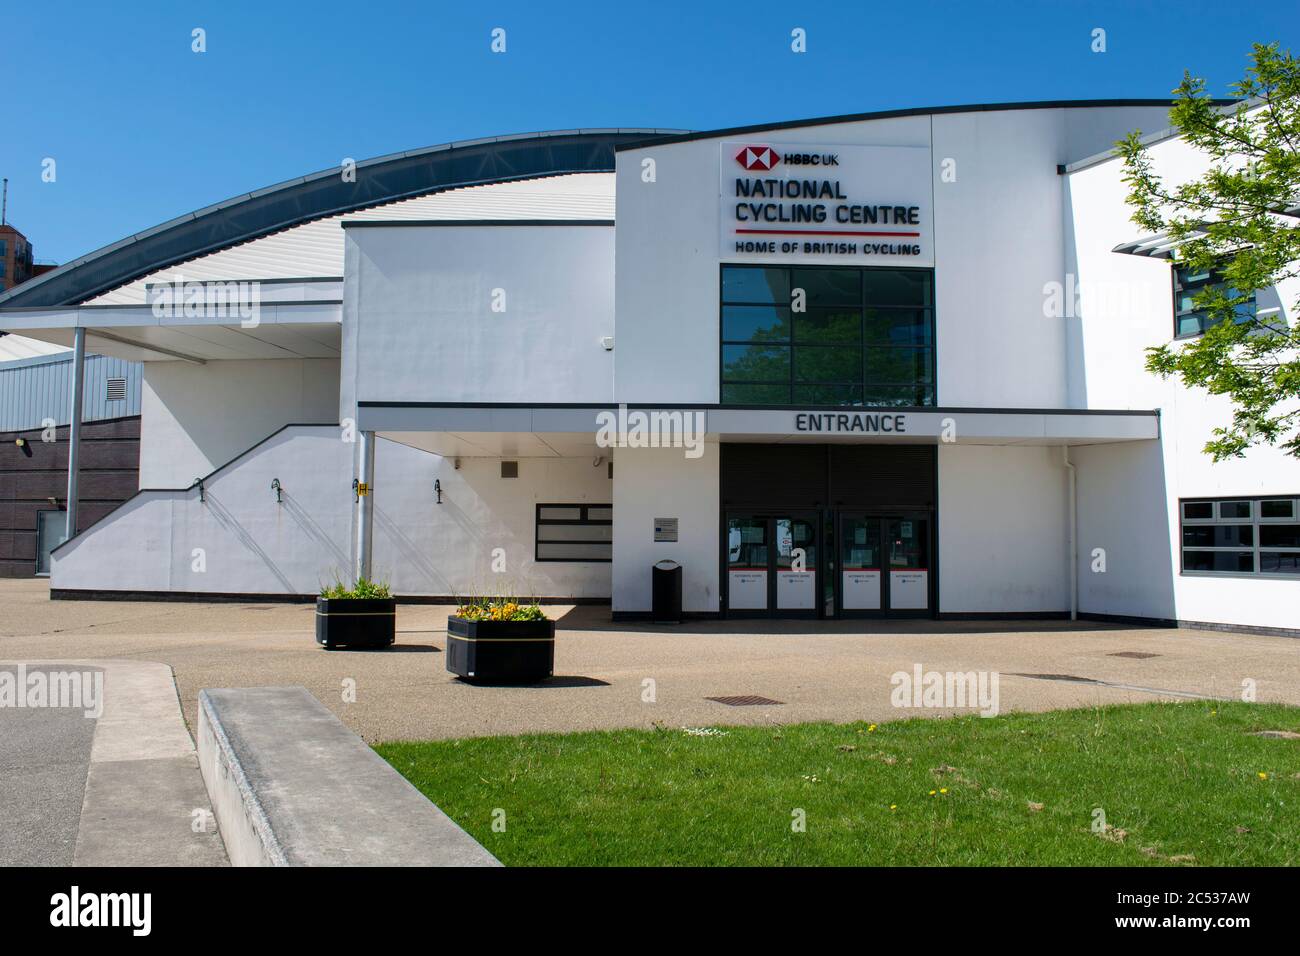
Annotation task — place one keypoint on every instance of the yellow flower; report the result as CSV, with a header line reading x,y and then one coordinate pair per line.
x,y
871,728
943,789
893,806
932,792
1263,775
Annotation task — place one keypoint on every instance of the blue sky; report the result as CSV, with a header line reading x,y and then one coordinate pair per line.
x,y
143,129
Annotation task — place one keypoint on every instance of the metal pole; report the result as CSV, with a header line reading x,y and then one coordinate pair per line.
x,y
1073,525
74,424
365,503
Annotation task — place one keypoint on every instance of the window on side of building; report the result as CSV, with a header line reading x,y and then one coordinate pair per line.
x,y
574,532
1189,321
1255,536
826,335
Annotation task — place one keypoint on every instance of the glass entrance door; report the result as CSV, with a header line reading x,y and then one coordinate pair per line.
x,y
907,543
796,555
772,564
884,565
747,560
860,563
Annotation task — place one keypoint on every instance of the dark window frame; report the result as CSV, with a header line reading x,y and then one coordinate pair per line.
x,y
583,520
1255,522
926,390
1215,278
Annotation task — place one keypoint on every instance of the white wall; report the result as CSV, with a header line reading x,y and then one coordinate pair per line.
x,y
997,241
251,544
195,418
419,319
667,258
421,547
1123,512
1002,529
654,483
1127,307
248,542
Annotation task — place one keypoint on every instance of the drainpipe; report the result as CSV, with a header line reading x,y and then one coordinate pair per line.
x,y
1073,523
365,503
74,423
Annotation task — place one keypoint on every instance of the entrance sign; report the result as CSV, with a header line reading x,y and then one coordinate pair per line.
x,y
747,589
861,589
796,590
862,422
909,590
665,529
805,202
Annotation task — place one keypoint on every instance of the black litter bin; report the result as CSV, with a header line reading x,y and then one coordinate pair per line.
x,y
666,593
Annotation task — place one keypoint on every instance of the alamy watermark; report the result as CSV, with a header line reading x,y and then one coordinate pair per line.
x,y
130,910
659,428
224,301
81,690
957,690
1097,298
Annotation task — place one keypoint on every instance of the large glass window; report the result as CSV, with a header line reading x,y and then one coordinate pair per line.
x,y
1188,319
821,335
1240,535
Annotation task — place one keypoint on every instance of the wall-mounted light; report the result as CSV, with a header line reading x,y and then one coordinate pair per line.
x,y
437,490
202,496
53,501
275,486
455,464
607,343
24,446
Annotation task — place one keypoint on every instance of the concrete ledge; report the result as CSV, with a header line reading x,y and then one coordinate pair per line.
x,y
249,597
1192,625
291,786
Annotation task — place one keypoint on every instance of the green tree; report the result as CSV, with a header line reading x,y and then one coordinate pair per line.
x,y
1239,219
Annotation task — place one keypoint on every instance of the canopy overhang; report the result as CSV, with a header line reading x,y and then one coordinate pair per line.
x,y
495,431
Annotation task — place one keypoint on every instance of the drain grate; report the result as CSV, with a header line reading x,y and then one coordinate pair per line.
x,y
747,700
1066,677
1135,655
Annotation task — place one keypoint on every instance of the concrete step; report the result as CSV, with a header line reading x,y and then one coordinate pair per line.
x,y
292,786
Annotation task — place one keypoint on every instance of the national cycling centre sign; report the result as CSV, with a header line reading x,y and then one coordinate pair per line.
x,y
809,202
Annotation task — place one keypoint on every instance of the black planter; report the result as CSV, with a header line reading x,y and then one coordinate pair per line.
x,y
356,622
501,652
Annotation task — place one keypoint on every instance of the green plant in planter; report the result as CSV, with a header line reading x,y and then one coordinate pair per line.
x,y
364,589
499,609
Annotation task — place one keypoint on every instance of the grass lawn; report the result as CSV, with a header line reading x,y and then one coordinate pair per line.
x,y
1178,783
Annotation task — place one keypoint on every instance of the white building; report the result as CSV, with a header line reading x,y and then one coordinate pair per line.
x,y
897,358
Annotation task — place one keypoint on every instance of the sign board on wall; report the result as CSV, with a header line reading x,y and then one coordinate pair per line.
x,y
909,590
665,529
747,589
861,589
806,202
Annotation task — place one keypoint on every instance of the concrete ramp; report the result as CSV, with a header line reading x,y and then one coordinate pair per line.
x,y
292,786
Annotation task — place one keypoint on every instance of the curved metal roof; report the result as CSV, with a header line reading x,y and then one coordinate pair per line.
x,y
680,136
381,180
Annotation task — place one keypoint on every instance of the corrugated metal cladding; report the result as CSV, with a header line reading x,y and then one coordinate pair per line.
x,y
315,249
828,476
32,390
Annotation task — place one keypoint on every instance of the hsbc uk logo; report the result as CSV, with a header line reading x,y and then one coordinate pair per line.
x,y
763,158
760,158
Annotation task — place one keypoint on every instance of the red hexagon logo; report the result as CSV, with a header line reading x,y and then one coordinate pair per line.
x,y
760,158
